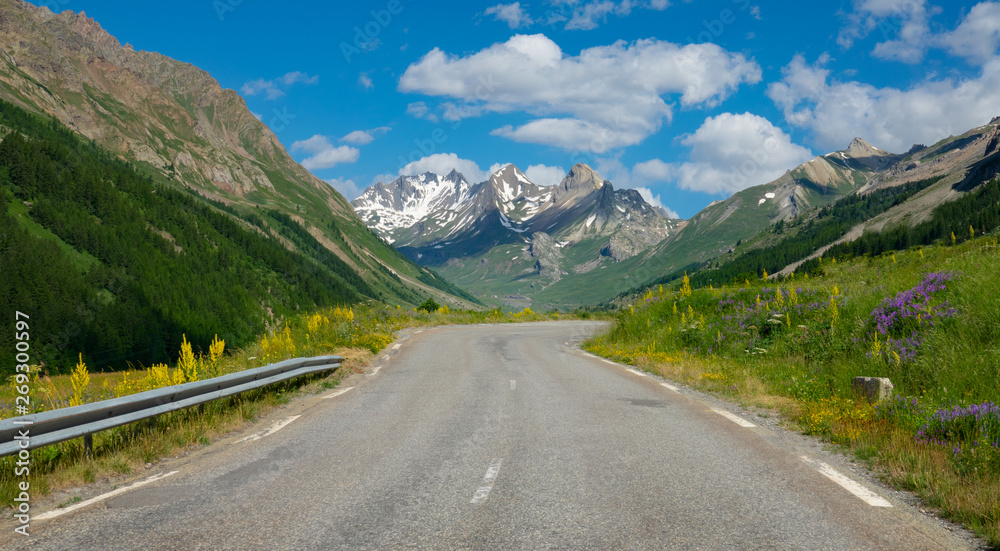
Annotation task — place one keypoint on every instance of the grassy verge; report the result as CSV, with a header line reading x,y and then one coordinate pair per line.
x,y
356,333
929,319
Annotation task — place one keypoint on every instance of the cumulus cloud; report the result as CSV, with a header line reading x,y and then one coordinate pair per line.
x,y
731,152
511,14
889,118
653,170
365,81
323,154
977,37
545,175
606,97
347,188
907,22
364,137
443,163
272,89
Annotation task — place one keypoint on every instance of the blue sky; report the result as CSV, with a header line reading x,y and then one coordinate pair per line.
x,y
686,101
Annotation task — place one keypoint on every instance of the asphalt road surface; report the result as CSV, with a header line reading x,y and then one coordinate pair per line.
x,y
500,437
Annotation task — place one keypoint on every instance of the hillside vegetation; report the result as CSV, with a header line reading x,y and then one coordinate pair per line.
x,y
927,318
108,262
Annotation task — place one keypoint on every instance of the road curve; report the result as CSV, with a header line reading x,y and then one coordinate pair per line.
x,y
498,437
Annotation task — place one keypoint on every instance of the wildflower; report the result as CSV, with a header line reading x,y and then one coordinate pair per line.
x,y
685,286
80,380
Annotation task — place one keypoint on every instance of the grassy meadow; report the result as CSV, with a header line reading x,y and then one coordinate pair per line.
x,y
928,319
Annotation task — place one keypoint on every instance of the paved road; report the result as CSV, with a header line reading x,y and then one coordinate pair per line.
x,y
498,437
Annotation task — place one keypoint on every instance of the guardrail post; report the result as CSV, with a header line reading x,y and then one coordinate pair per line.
x,y
88,445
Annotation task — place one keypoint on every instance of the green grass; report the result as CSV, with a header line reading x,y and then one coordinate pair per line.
x,y
800,358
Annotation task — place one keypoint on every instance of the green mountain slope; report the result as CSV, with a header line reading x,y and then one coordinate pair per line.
x,y
175,121
117,264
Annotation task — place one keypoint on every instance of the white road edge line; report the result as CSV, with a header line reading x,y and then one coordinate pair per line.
x,y
858,490
734,418
396,346
58,512
635,372
671,387
484,489
375,371
513,384
275,427
335,393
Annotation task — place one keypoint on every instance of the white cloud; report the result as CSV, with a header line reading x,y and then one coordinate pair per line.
x,y
364,137
654,200
347,188
365,81
272,88
977,37
323,153
545,175
604,98
585,16
653,170
889,118
420,110
511,14
298,77
731,152
443,163
903,24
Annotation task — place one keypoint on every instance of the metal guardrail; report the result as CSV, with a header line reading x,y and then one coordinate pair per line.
x,y
51,427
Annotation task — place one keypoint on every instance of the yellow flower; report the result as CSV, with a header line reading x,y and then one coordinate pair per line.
x,y
80,381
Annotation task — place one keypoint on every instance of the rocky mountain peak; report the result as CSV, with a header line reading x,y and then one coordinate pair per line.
x,y
861,148
455,176
583,177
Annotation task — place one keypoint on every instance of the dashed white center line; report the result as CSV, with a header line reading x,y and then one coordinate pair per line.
x,y
671,387
396,346
484,489
335,393
275,427
858,490
375,371
513,384
58,512
734,418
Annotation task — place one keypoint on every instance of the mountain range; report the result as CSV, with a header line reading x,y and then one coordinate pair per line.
x,y
511,231
511,241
